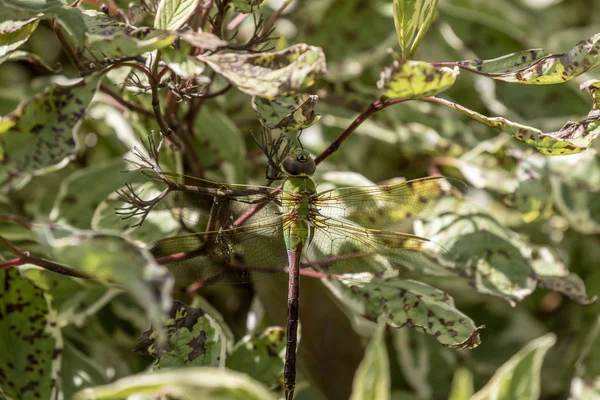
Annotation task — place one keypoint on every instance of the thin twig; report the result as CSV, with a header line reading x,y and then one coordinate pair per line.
x,y
127,104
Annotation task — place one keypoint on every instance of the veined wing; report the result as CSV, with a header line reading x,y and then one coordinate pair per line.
x,y
386,205
227,255
343,248
193,199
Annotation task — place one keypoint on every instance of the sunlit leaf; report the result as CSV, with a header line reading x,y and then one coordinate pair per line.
x,y
412,19
39,136
372,378
31,339
412,304
415,79
519,377
271,74
193,339
185,384
462,385
261,356
535,67
286,113
112,259
573,137
173,14
247,6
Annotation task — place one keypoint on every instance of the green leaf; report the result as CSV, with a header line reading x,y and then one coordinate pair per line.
x,y
519,377
412,19
573,137
39,136
247,6
372,378
77,199
185,384
415,79
181,63
274,74
9,42
462,385
112,259
31,339
193,339
173,14
575,182
413,304
20,55
291,113
261,356
105,37
535,67
533,197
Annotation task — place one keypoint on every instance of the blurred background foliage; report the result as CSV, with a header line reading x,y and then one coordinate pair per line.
x,y
411,140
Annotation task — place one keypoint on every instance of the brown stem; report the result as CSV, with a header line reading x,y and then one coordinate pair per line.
x,y
127,104
377,105
66,45
275,15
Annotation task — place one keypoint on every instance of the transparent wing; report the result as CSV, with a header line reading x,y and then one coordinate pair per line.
x,y
382,206
343,248
196,200
229,255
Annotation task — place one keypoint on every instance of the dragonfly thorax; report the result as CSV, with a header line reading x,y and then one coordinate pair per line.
x,y
298,163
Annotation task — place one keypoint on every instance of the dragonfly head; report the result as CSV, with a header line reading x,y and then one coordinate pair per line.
x,y
299,163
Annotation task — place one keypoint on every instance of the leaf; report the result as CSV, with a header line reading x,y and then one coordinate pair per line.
x,y
182,64
77,199
16,14
533,197
112,259
412,304
261,356
39,136
203,40
247,6
372,378
270,75
185,384
193,339
31,58
412,19
573,137
519,377
173,14
462,385
286,113
535,67
9,42
495,259
29,332
415,79
106,37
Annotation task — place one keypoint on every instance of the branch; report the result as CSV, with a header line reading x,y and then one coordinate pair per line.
x,y
377,105
127,104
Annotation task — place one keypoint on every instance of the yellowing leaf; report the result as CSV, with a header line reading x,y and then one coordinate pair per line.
x,y
415,79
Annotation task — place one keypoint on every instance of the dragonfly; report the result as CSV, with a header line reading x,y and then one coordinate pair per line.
x,y
254,231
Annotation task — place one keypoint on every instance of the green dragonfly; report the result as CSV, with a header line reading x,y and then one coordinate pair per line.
x,y
336,233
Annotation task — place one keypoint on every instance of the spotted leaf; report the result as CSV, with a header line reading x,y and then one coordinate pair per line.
x,y
536,67
261,356
193,339
31,340
286,113
39,136
415,79
270,75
